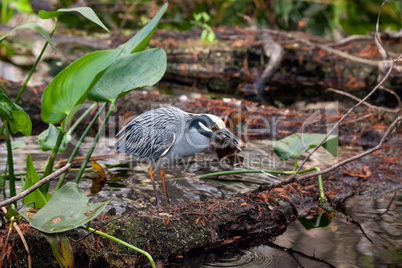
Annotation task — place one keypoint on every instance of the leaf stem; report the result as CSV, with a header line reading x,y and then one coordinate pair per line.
x,y
78,145
49,167
151,260
229,172
95,141
34,66
10,162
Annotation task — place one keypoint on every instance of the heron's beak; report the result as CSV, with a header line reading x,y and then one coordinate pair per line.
x,y
228,138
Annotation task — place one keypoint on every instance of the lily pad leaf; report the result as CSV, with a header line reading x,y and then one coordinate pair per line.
x,y
140,40
87,12
31,179
296,144
70,87
128,72
32,26
67,209
47,139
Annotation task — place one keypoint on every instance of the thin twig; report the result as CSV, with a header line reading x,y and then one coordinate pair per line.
x,y
348,112
36,186
15,225
393,93
323,171
332,50
371,106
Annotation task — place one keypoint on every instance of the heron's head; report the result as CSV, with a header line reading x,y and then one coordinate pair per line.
x,y
213,127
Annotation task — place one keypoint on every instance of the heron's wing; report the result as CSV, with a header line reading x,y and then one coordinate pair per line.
x,y
144,142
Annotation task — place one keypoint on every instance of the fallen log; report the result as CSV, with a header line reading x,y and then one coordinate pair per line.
x,y
236,61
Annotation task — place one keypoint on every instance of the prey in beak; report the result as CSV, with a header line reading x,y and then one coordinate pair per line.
x,y
228,139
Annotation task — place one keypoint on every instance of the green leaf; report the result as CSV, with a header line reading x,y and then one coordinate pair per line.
x,y
61,248
31,179
15,115
204,34
87,12
66,210
129,72
296,144
5,113
32,26
140,41
70,87
21,123
17,144
48,138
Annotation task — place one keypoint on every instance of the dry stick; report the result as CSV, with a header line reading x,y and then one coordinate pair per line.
x,y
36,186
371,106
345,115
393,93
313,174
15,225
330,49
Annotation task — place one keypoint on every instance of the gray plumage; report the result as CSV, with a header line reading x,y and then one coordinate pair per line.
x,y
165,135
161,133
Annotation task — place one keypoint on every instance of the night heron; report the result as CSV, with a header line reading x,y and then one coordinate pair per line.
x,y
165,135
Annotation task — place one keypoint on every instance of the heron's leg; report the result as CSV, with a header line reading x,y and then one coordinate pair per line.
x,y
152,177
162,173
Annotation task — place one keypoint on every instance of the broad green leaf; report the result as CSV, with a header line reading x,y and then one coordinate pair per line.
x,y
31,179
32,26
48,138
140,41
5,113
87,12
70,87
15,115
20,123
61,248
66,210
129,72
17,144
296,144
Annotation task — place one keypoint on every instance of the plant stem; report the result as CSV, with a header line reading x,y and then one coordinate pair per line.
x,y
294,169
10,162
151,260
91,150
221,173
78,145
78,121
35,64
320,186
49,167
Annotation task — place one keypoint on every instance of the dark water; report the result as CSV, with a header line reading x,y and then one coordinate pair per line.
x,y
340,244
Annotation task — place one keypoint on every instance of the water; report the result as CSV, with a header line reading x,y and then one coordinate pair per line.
x,y
340,244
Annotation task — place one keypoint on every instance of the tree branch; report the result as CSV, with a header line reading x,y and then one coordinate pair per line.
x,y
36,186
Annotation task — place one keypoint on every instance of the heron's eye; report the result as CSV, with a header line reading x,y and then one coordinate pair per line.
x,y
213,128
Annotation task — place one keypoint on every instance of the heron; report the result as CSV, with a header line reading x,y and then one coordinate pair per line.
x,y
164,135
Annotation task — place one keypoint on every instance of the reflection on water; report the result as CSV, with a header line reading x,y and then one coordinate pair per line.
x,y
341,244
